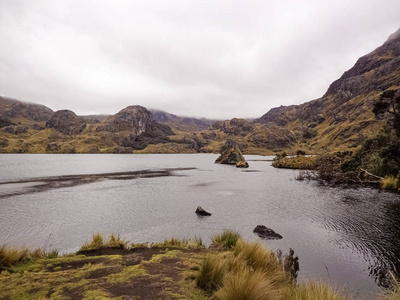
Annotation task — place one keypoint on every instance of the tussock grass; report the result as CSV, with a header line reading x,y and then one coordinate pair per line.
x,y
250,271
395,294
226,239
11,256
212,272
113,241
313,290
246,284
258,257
181,243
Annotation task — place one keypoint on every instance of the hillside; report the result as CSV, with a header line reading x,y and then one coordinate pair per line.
x,y
343,117
339,120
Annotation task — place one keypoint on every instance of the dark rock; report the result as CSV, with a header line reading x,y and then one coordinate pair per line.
x,y
266,233
3,142
200,211
53,147
67,122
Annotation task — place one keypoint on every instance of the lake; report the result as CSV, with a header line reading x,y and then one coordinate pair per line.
x,y
348,236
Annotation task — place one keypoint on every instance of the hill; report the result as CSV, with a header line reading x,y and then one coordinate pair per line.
x,y
343,117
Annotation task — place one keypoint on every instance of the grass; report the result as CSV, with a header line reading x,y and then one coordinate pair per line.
x,y
259,258
113,241
313,290
246,284
212,272
11,256
226,239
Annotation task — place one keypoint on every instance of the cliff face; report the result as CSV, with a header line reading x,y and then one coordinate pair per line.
x,y
343,116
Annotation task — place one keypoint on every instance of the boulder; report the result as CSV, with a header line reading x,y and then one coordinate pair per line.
x,y
231,154
201,212
266,233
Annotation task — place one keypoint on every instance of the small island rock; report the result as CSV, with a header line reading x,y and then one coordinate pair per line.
x,y
231,155
242,164
266,233
200,211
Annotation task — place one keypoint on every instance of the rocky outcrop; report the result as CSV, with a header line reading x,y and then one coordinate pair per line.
x,y
234,127
201,212
67,122
135,119
231,154
13,109
347,103
266,233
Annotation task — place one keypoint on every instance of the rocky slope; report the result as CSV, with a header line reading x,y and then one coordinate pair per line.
x,y
343,117
339,120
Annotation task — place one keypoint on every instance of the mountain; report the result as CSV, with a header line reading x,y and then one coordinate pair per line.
x,y
339,120
343,117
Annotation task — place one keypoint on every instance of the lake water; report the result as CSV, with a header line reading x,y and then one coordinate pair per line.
x,y
349,237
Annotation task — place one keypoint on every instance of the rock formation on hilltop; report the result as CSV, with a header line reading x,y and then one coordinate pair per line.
x,y
66,122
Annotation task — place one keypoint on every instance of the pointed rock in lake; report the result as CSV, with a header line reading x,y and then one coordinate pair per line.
x,y
201,212
232,155
266,233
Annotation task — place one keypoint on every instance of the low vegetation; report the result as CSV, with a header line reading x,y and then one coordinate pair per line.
x,y
232,269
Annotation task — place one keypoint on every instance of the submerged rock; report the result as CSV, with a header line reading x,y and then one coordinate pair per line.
x,y
200,211
266,233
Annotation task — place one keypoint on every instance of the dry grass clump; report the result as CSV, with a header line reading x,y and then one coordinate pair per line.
x,y
257,257
246,284
226,239
249,271
113,241
212,272
11,256
195,242
313,290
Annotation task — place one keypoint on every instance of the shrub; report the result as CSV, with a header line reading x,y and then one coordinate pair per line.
x,y
226,239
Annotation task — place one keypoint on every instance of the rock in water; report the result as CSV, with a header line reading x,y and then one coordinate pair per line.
x,y
242,164
266,233
200,211
231,155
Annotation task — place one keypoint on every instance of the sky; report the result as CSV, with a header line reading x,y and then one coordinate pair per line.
x,y
215,59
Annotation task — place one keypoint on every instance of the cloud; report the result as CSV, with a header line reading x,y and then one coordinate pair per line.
x,y
216,59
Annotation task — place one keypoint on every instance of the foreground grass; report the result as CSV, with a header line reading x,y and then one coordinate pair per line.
x,y
232,269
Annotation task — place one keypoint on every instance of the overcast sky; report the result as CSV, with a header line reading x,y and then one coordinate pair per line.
x,y
214,59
